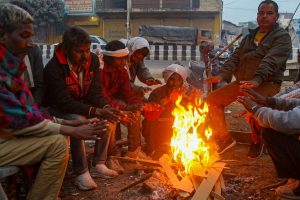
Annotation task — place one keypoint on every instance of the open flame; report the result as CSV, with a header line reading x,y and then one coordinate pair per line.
x,y
190,142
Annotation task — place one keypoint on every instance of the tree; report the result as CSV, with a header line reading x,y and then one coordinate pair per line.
x,y
46,12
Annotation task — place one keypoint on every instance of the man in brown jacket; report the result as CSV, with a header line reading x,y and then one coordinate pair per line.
x,y
259,63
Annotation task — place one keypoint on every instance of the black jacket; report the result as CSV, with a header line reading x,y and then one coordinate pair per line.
x,y
64,93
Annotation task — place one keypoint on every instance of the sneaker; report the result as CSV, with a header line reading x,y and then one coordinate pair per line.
x,y
226,144
291,190
115,165
256,150
105,172
138,153
85,182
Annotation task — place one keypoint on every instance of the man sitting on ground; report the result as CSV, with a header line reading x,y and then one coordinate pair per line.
x,y
281,130
73,92
27,136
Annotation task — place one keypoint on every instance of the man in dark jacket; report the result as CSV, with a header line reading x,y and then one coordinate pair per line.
x,y
259,63
73,92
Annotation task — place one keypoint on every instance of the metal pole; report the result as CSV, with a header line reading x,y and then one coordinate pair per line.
x,y
128,19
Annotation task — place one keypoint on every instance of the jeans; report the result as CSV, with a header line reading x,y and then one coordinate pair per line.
x,y
101,149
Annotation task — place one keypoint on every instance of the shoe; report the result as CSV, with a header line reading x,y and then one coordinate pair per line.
x,y
115,165
226,144
104,172
256,150
291,190
138,153
85,182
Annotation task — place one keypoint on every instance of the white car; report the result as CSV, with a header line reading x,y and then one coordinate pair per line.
x,y
96,41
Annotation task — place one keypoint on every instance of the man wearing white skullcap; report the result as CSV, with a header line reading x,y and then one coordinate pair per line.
x,y
157,126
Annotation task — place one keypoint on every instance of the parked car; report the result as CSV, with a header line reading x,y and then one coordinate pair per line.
x,y
97,40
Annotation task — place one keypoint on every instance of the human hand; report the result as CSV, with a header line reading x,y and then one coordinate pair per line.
x,y
248,84
214,79
111,114
134,108
144,90
79,122
247,102
127,117
153,81
149,107
258,98
86,131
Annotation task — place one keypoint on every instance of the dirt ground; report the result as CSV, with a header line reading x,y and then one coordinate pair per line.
x,y
244,179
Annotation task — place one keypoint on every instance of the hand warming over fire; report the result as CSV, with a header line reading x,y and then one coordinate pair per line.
x,y
248,103
258,98
89,131
127,117
111,114
144,90
214,79
134,108
79,122
153,81
249,84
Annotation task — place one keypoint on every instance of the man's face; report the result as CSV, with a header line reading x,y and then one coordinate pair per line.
x,y
266,16
175,81
119,63
79,55
137,56
19,41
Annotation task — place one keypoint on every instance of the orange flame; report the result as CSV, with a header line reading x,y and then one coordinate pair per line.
x,y
189,143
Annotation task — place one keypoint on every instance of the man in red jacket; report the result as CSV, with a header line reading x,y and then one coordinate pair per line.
x,y
120,93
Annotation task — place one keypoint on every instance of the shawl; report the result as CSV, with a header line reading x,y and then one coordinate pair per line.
x,y
17,107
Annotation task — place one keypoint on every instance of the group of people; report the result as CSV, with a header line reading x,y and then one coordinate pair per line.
x,y
87,100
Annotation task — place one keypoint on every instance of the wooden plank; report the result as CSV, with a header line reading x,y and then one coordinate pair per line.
x,y
196,180
151,162
184,184
203,191
217,196
217,190
222,182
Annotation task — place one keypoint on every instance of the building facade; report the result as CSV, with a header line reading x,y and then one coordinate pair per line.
x,y
116,21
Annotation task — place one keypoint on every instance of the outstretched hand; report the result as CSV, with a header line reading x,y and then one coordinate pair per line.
x,y
152,81
79,122
111,114
247,102
248,84
87,131
258,98
214,79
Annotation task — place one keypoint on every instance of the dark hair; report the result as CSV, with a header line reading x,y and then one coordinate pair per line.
x,y
24,6
113,45
74,36
269,2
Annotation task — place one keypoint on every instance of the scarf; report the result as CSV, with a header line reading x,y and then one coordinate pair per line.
x,y
17,107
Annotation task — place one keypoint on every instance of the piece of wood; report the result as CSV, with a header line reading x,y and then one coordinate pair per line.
x,y
184,184
196,180
147,176
216,196
222,182
217,188
203,191
151,162
274,185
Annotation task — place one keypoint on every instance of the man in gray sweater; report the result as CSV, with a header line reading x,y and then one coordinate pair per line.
x,y
281,130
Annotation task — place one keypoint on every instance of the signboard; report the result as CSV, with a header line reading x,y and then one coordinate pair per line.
x,y
74,7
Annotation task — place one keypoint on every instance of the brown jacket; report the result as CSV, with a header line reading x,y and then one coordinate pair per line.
x,y
263,63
